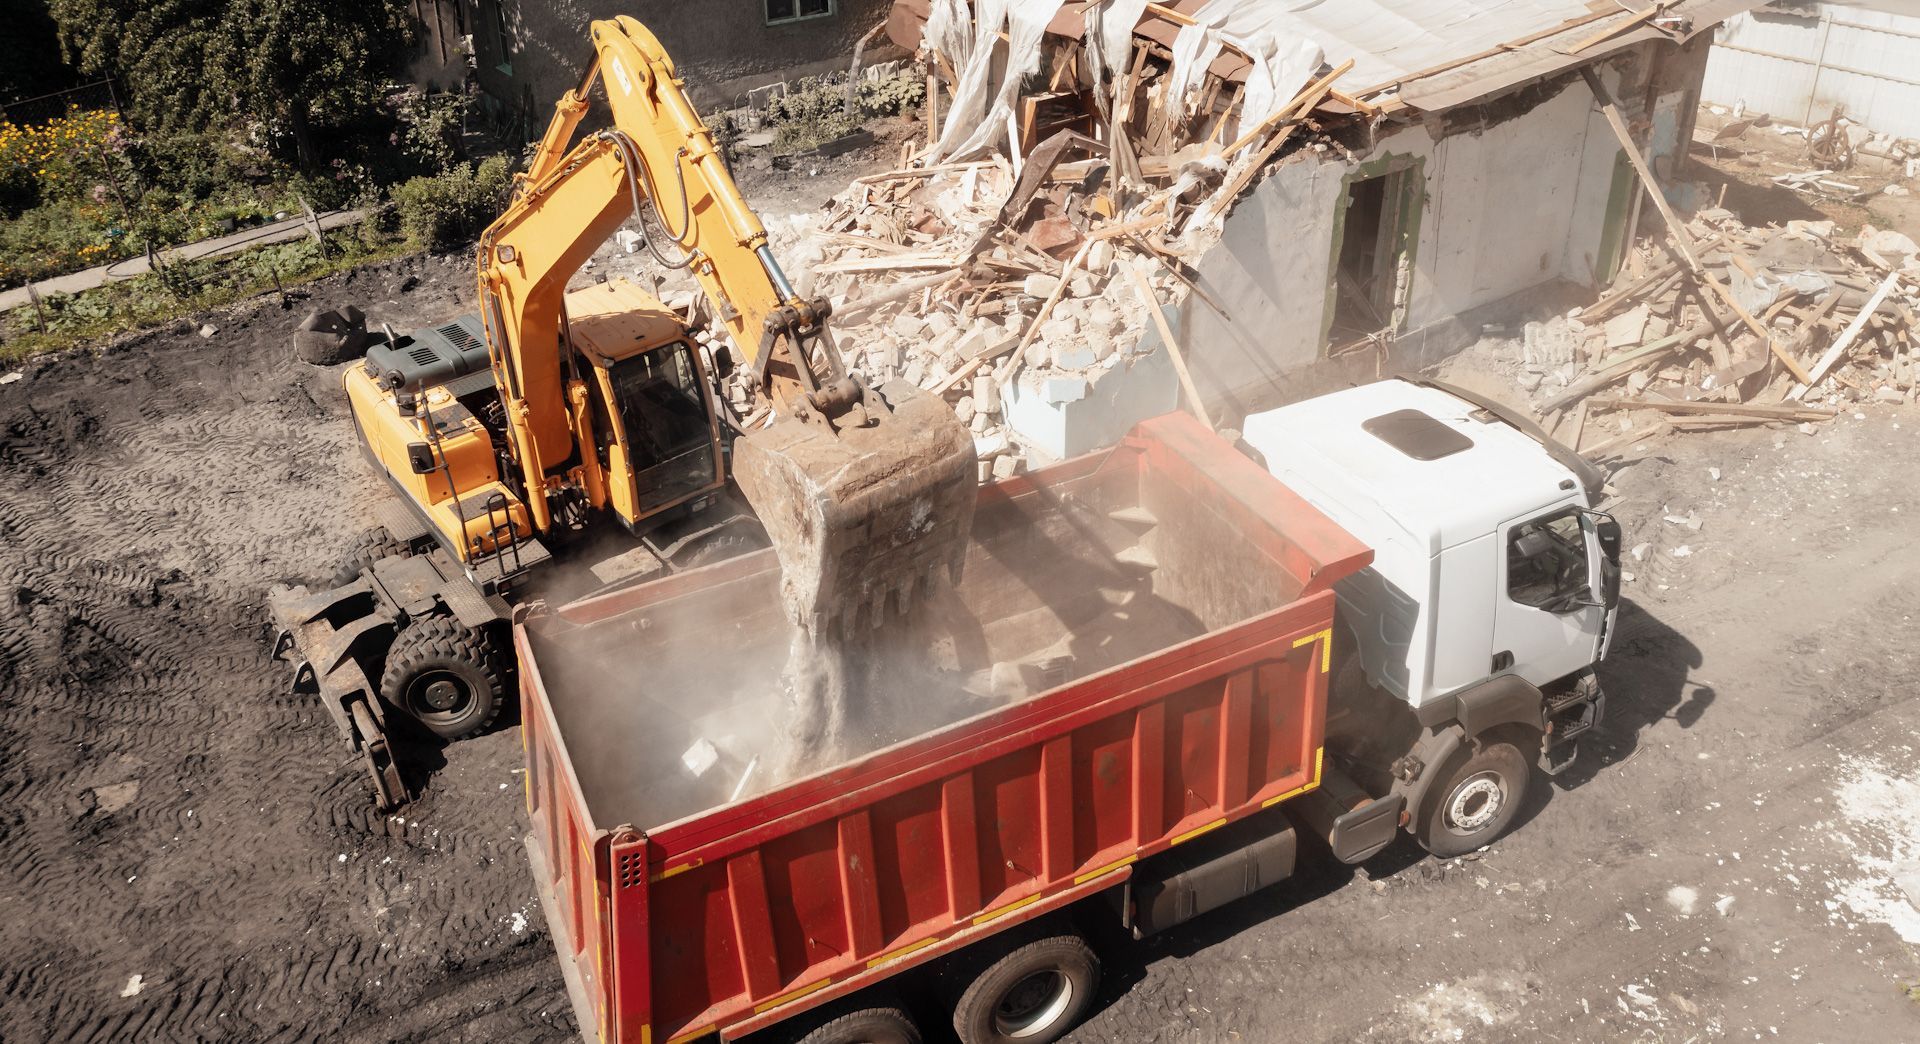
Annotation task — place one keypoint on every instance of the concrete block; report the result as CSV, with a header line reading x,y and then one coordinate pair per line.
x,y
907,326
1073,356
1102,315
1006,466
986,395
1100,256
964,409
1114,401
1059,390
976,341
1038,285
1082,284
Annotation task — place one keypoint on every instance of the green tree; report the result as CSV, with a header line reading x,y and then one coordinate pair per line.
x,y
30,62
302,65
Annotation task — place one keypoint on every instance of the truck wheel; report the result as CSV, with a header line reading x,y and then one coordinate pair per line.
x,y
1477,798
449,677
368,547
1031,996
867,1026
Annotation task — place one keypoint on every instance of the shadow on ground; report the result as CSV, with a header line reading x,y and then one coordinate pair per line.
x,y
1646,678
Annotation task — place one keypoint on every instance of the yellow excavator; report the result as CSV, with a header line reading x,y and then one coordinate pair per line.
x,y
556,425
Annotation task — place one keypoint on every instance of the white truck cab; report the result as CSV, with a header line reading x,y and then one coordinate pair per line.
x,y
1472,637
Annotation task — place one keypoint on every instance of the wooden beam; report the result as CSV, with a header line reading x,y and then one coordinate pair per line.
x,y
1615,30
1847,336
1730,409
1145,289
1681,240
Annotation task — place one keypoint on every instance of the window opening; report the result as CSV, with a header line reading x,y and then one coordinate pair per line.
x,y
1547,561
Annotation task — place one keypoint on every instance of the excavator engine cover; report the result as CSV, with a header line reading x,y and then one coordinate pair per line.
x,y
864,519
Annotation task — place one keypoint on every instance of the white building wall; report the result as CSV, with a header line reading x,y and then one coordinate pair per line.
x,y
1797,63
1507,208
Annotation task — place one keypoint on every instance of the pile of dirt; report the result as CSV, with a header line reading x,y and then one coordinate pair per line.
x,y
189,851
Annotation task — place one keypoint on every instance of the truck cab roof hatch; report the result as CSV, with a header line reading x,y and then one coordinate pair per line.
x,y
1416,434
1592,479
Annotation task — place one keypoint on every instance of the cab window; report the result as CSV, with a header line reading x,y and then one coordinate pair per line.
x,y
662,408
1547,561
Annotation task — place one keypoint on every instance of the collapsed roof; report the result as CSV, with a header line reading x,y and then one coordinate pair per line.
x,y
1416,54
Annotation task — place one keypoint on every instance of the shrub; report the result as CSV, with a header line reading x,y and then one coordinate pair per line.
x,y
429,128
815,111
442,211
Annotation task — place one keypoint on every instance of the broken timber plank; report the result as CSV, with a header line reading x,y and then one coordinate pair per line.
x,y
1614,30
1145,289
1847,337
1682,241
887,263
1731,409
922,172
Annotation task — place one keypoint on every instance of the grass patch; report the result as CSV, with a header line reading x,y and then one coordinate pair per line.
x,y
185,289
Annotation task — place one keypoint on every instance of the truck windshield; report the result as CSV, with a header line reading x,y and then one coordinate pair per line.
x,y
663,411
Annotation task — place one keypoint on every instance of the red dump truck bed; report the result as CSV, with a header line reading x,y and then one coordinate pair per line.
x,y
1139,653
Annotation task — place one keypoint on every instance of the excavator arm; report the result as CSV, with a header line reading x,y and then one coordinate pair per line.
x,y
864,493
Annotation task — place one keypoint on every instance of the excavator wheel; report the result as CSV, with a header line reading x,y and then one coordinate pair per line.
x,y
450,678
370,546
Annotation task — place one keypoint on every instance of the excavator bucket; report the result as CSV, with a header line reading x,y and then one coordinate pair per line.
x,y
864,520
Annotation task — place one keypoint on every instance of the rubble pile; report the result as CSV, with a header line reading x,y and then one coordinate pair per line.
x,y
1777,325
1023,253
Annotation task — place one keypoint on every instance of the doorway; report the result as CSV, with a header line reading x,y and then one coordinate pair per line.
x,y
1374,236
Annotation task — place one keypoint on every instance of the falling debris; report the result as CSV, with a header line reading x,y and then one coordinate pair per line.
x,y
133,986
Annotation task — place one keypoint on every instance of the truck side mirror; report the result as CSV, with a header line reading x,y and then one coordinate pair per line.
x,y
420,458
1606,533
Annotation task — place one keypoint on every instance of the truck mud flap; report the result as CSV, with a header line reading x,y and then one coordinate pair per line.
x,y
1354,823
327,636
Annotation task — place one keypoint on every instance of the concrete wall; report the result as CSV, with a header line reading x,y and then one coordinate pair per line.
x,y
721,48
1517,193
1796,63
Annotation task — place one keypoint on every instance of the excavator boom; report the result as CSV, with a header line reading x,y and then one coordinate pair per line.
x,y
866,494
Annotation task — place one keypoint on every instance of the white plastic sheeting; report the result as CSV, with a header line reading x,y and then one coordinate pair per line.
x,y
968,131
1284,60
1110,33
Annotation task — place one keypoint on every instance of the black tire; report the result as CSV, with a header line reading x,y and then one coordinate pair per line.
x,y
867,1026
368,547
451,679
1031,996
1484,787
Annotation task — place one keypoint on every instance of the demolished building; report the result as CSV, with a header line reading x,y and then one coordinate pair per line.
x,y
1453,163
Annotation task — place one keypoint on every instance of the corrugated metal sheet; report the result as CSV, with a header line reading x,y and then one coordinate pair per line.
x,y
1797,64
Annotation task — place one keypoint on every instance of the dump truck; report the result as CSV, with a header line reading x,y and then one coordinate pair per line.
x,y
1162,664
595,428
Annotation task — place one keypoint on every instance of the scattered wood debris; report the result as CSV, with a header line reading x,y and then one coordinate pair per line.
x,y
1033,256
1810,321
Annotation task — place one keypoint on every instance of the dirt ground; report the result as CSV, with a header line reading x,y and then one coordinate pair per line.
x,y
187,852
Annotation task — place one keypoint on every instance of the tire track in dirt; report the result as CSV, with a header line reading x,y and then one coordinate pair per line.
x,y
187,850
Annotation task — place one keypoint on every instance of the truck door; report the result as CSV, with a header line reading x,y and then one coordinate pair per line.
x,y
1547,622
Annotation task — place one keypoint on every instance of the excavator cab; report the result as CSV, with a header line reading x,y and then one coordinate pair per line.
x,y
657,433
